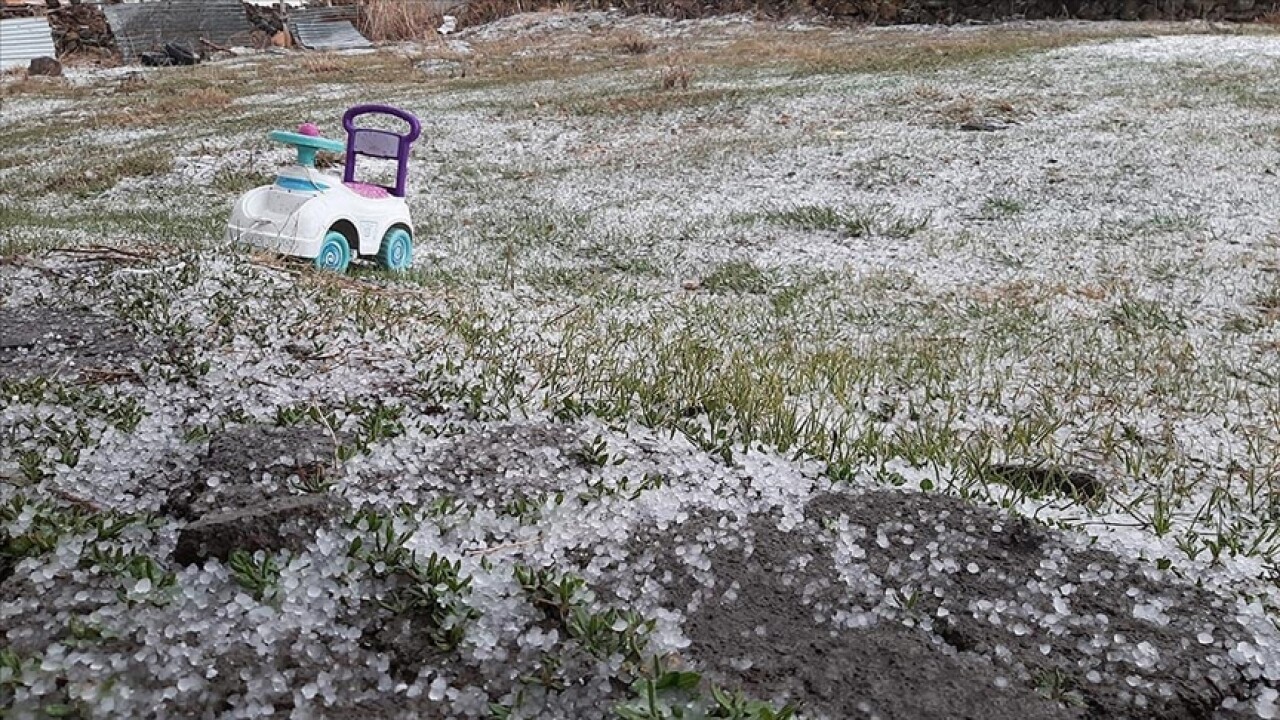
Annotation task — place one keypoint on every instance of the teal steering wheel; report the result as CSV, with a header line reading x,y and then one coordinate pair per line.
x,y
307,145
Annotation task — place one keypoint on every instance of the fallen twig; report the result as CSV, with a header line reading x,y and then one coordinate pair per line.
x,y
77,500
102,253
337,460
500,548
565,314
94,376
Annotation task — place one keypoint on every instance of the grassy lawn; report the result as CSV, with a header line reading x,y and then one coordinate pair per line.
x,y
1032,267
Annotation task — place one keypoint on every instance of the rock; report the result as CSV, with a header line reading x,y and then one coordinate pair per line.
x,y
287,523
40,341
691,284
45,66
249,465
896,671
863,583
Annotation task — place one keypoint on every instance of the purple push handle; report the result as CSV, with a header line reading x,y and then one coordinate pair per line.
x,y
380,143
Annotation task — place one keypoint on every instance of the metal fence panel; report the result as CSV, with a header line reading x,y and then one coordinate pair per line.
x,y
327,28
24,39
145,27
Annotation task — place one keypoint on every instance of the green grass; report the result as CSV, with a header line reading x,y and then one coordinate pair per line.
x,y
738,276
852,223
1002,207
234,182
103,173
864,368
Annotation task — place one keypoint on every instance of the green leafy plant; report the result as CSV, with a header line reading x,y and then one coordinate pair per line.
x,y
565,601
596,454
430,590
259,573
1059,687
669,694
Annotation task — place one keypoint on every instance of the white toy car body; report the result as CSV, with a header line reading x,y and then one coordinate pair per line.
x,y
330,220
293,215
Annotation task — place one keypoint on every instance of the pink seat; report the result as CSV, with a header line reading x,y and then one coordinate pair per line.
x,y
373,192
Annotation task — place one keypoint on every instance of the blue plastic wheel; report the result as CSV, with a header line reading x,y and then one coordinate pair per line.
x,y
335,253
396,251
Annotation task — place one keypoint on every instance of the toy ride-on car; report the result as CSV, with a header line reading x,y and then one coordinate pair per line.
x,y
309,214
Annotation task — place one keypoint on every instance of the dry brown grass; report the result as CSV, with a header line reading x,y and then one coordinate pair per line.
x,y
966,109
168,107
831,54
829,50
676,76
326,63
398,20
196,100
823,51
16,83
142,104
1019,293
104,173
633,43
375,68
479,12
326,160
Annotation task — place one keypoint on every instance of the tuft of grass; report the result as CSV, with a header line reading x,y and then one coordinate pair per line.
x,y
596,454
1041,479
664,693
738,276
398,20
852,223
39,86
430,591
233,181
325,63
1002,207
565,601
1174,222
635,44
676,76
1268,300
1059,687
258,573
1138,316
104,173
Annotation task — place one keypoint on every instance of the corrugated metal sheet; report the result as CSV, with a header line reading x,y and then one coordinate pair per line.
x,y
24,39
327,28
148,26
